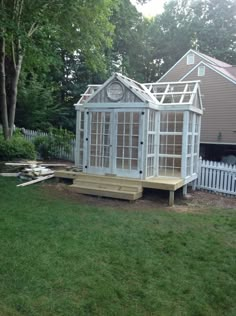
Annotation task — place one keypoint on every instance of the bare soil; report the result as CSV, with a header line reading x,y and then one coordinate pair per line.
x,y
152,199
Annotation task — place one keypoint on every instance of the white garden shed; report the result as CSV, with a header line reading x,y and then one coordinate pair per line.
x,y
147,132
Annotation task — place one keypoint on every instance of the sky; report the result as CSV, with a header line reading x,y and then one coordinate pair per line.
x,y
151,8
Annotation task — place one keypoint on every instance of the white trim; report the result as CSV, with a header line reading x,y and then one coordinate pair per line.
x,y
135,90
100,88
214,143
197,53
169,82
190,178
209,66
175,64
184,145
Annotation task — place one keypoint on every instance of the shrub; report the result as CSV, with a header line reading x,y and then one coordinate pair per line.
x,y
49,146
16,148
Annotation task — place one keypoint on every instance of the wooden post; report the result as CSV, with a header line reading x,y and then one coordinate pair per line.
x,y
185,190
194,185
171,198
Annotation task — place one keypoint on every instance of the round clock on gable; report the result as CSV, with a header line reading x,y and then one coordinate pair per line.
x,y
115,91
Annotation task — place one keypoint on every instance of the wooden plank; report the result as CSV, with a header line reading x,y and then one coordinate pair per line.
x,y
185,190
109,185
53,165
38,164
163,183
171,198
35,181
108,193
9,174
23,164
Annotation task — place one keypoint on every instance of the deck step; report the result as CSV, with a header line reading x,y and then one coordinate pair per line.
x,y
108,184
108,191
105,179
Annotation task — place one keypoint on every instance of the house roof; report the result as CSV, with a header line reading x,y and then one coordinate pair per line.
x,y
212,60
226,70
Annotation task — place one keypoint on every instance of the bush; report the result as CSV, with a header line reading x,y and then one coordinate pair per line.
x,y
16,148
49,146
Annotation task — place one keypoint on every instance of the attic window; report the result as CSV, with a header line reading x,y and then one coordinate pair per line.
x,y
190,59
201,71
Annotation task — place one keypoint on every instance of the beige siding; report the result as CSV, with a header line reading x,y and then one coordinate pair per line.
x,y
219,101
180,69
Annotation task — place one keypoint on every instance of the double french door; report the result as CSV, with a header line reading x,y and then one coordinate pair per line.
x,y
114,142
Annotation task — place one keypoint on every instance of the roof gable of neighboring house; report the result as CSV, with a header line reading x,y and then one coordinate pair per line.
x,y
222,71
180,69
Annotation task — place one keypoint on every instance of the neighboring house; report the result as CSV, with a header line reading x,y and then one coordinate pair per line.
x,y
218,89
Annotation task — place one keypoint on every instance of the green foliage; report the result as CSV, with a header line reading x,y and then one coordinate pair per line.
x,y
16,148
49,146
208,26
36,109
64,258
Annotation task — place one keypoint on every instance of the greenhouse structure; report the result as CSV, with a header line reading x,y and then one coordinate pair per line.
x,y
131,136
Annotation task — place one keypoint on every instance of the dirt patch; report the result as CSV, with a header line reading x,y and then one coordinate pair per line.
x,y
152,199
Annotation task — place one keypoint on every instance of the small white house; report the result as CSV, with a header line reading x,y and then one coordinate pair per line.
x,y
139,131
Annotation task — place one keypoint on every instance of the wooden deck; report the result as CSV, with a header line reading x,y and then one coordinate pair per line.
x,y
119,187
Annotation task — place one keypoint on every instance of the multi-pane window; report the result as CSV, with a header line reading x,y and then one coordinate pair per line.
x,y
100,139
81,138
196,142
201,71
170,149
192,143
127,140
151,143
190,59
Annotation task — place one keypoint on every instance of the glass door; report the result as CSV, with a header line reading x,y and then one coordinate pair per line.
x,y
127,144
100,142
113,143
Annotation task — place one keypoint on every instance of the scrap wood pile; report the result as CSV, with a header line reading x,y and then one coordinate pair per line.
x,y
35,172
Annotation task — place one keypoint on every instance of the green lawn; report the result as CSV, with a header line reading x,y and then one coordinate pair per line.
x,y
61,258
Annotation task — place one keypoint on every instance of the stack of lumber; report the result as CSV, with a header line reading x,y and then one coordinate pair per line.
x,y
35,172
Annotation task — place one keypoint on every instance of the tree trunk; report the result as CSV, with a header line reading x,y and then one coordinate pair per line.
x,y
3,96
13,93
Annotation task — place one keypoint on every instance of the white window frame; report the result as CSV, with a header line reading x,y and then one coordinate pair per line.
x,y
201,71
190,59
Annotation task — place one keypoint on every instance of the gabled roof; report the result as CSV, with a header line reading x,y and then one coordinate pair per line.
x,y
162,95
226,70
137,88
212,60
223,71
140,90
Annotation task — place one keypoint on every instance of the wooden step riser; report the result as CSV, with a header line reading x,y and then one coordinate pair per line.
x,y
130,196
106,185
115,180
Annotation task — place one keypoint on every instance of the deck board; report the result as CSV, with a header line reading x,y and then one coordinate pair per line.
x,y
160,183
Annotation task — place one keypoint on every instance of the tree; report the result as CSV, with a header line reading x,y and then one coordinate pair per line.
x,y
27,26
205,25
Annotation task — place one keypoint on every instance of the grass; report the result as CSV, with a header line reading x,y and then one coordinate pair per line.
x,y
61,258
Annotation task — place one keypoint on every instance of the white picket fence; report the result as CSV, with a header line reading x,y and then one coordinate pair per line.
x,y
30,136
213,176
217,177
